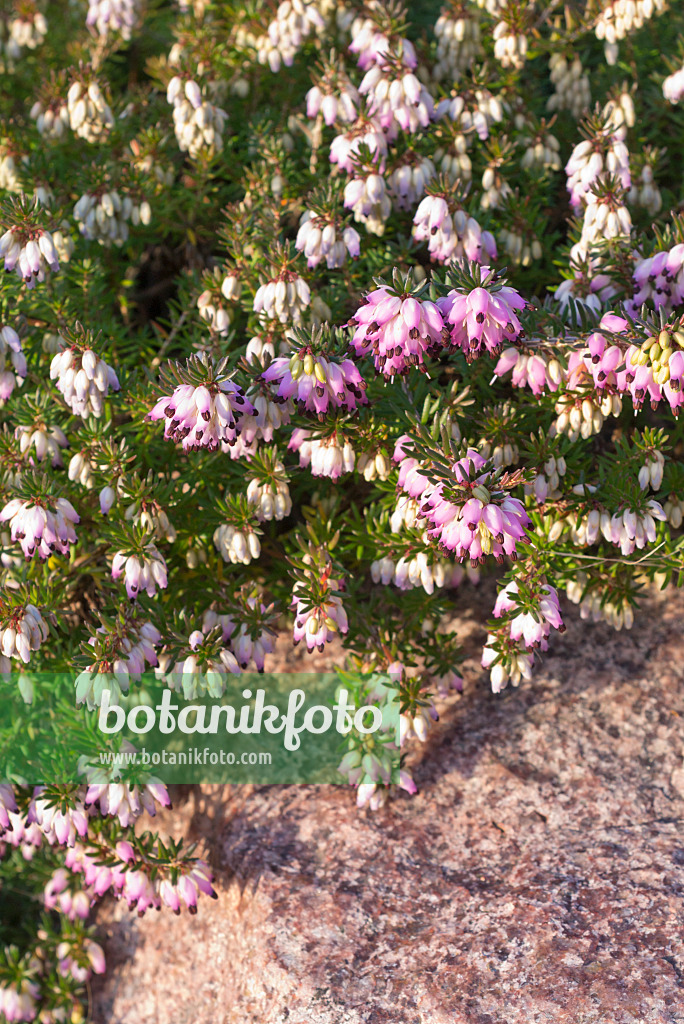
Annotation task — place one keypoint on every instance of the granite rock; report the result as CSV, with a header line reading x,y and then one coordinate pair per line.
x,y
538,875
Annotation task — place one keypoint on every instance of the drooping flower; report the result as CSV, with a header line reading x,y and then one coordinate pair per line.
x,y
398,328
143,571
84,380
203,415
316,381
41,530
482,318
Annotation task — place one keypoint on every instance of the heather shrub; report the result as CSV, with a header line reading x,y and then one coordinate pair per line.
x,y
315,313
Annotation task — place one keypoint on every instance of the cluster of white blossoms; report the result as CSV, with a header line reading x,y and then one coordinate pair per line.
x,y
283,298
644,191
29,253
52,119
673,86
327,456
395,95
105,215
373,466
472,114
9,175
605,216
417,570
21,632
25,32
12,352
571,86
198,673
236,545
214,313
674,510
520,248
144,571
450,236
408,180
80,470
651,473
84,380
510,45
113,16
271,499
591,158
41,530
198,124
90,115
542,151
546,484
593,607
318,239
334,97
584,417
367,197
152,518
46,442
620,17
295,20
458,42
519,666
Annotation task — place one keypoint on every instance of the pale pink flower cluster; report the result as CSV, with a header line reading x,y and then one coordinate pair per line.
x,y
533,370
41,530
70,961
481,522
484,318
116,671
328,456
397,330
659,279
58,825
344,148
283,298
408,180
318,624
451,235
84,380
127,802
370,45
141,889
244,645
10,349
199,672
318,239
203,416
532,628
316,383
60,894
22,632
31,255
145,571
673,86
19,1001
590,159
366,194
336,98
397,98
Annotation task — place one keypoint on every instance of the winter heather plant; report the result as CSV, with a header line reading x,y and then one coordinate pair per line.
x,y
314,313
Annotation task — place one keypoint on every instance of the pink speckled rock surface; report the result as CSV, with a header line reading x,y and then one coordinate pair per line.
x,y
538,876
